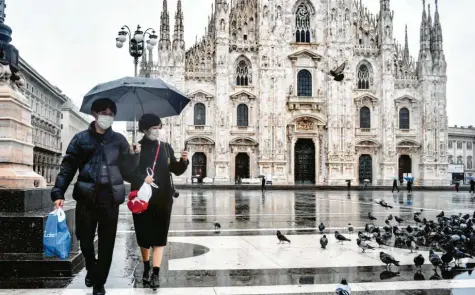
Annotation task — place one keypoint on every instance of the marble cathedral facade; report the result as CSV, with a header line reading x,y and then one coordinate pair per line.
x,y
262,103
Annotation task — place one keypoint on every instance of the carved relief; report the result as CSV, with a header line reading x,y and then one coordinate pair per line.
x,y
305,124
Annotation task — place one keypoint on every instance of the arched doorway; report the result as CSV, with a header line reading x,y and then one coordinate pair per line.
x,y
365,168
405,165
304,169
198,164
242,166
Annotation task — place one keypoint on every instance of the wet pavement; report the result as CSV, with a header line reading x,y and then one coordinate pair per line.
x,y
244,257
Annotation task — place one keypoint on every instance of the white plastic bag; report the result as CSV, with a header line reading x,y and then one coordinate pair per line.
x,y
145,191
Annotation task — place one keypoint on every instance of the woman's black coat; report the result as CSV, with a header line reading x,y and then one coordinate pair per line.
x,y
166,163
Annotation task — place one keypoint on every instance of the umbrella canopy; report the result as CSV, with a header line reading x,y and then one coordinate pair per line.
x,y
408,178
135,96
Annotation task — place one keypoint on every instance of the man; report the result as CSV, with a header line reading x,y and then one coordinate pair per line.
x,y
395,186
102,157
263,184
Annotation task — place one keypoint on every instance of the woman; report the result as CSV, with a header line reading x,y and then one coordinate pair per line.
x,y
151,226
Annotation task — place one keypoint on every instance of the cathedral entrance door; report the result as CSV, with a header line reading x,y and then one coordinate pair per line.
x,y
304,169
242,166
365,168
405,165
198,164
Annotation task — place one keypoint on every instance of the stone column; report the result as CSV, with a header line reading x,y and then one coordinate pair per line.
x,y
16,142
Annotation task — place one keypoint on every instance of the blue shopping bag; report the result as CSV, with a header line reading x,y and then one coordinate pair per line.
x,y
56,238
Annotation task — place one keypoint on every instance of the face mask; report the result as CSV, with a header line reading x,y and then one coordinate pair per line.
x,y
104,121
153,134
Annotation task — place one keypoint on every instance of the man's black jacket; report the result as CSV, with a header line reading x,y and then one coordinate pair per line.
x,y
86,154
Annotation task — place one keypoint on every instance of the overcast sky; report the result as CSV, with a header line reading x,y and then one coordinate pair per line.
x,y
72,43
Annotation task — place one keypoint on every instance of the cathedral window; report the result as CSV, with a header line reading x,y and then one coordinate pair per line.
x,y
469,162
242,115
404,118
243,74
459,145
469,146
302,24
365,118
450,159
363,77
304,83
450,144
200,114
459,160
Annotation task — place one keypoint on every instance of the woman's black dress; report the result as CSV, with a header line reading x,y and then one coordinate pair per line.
x,y
151,226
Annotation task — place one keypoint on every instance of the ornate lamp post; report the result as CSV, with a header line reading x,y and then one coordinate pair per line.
x,y
136,50
136,42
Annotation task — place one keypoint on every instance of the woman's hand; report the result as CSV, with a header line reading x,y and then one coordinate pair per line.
x,y
149,179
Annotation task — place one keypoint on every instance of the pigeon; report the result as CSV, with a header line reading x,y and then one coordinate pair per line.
x,y
340,238
350,228
217,226
390,217
447,258
409,229
371,217
363,236
384,204
388,259
434,259
419,261
441,214
282,238
417,219
337,73
321,227
343,288
364,245
419,213
324,242
369,228
380,242
398,220
387,222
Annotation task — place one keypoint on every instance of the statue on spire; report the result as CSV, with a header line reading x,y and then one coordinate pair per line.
x,y
3,6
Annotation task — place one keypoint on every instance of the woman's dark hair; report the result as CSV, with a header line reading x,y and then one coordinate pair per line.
x,y
103,104
149,120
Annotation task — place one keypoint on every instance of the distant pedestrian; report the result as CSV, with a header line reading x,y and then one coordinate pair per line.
x,y
409,186
472,186
348,184
263,185
457,186
401,181
395,186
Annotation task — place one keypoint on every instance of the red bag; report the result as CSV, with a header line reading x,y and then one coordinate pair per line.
x,y
139,206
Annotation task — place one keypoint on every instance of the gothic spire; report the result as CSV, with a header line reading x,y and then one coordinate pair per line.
x,y
179,32
437,39
385,6
406,49
164,43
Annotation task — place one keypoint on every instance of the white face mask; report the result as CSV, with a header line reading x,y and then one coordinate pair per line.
x,y
153,134
105,121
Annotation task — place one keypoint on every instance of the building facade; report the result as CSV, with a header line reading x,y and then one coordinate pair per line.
x,y
46,101
263,103
72,122
460,149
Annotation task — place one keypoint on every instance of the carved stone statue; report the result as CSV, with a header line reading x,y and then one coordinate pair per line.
x,y
291,89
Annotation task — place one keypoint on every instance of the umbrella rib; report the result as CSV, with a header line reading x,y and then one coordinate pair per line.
x,y
140,100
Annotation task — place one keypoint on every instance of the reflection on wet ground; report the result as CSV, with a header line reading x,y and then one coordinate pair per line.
x,y
245,251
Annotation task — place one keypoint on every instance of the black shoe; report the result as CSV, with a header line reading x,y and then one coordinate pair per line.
x,y
99,290
146,276
88,281
155,281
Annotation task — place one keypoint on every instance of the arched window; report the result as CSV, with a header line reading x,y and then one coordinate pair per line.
x,y
363,77
242,115
365,118
302,24
459,145
304,83
450,159
200,114
450,144
459,160
404,118
469,145
243,73
469,162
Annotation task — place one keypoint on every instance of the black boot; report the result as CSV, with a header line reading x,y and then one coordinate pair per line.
x,y
90,274
146,272
155,280
98,290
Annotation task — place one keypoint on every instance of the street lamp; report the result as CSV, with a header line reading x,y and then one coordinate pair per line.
x,y
136,42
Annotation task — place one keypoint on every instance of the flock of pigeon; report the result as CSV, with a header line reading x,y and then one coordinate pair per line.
x,y
453,235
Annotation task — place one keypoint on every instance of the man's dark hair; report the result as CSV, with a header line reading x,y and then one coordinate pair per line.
x,y
103,104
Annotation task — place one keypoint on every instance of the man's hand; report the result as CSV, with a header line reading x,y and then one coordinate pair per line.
x,y
149,179
58,203
135,150
184,156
